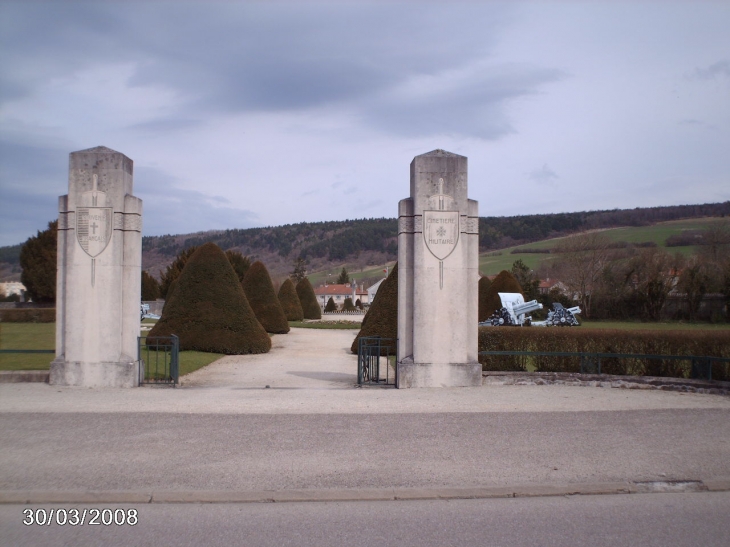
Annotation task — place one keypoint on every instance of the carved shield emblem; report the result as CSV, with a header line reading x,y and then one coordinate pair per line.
x,y
93,229
441,232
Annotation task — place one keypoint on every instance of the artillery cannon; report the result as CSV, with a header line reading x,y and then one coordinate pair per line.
x,y
144,310
513,312
561,316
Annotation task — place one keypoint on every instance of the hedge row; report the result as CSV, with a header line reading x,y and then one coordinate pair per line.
x,y
28,315
698,343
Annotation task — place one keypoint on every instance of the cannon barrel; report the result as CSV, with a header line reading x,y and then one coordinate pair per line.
x,y
574,310
527,307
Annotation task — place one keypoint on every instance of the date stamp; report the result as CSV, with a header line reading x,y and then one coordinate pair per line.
x,y
80,517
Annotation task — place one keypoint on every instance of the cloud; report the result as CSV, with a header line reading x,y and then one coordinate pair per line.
x,y
544,174
720,69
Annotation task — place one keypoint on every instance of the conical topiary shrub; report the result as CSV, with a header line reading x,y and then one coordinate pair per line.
x,y
290,301
306,295
484,310
331,306
348,305
504,282
261,295
208,310
382,317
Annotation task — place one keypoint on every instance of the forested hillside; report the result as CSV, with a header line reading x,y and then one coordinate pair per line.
x,y
367,242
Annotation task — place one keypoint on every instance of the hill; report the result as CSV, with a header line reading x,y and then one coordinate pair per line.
x,y
365,245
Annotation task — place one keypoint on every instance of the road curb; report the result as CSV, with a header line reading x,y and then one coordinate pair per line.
x,y
719,484
17,376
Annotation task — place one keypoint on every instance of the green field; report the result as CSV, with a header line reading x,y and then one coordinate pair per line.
x,y
318,278
658,233
42,336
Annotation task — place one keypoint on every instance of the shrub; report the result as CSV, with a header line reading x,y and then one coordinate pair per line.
x,y
150,287
290,301
306,295
348,305
38,260
28,315
208,309
358,304
644,342
504,282
265,304
484,310
331,306
382,316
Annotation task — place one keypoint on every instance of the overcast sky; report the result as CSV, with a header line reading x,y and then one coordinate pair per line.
x,y
244,114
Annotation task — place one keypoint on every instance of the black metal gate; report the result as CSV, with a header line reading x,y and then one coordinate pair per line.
x,y
377,361
159,359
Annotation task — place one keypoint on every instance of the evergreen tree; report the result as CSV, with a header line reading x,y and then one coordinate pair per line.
x,y
484,310
290,301
382,317
527,279
504,282
306,295
150,287
174,270
240,263
358,304
208,309
331,306
264,302
348,305
300,270
38,258
344,277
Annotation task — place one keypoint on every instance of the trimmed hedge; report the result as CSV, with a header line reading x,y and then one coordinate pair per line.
x,y
697,343
484,311
290,301
28,315
208,309
382,316
261,295
331,306
504,282
308,299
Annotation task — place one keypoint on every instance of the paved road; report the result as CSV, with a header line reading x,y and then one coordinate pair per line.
x,y
652,520
136,451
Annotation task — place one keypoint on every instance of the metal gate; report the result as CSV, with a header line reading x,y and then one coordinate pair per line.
x,y
159,359
377,361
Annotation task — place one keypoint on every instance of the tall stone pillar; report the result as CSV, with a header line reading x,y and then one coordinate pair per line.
x,y
438,276
99,273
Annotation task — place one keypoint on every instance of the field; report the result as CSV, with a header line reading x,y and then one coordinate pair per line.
x,y
42,336
494,262
331,275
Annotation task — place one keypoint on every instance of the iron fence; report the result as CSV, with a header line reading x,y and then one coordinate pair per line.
x,y
159,358
675,366
375,357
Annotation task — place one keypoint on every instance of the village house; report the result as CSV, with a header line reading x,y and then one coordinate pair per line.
x,y
338,292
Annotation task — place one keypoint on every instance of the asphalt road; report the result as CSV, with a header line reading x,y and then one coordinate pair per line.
x,y
136,451
649,520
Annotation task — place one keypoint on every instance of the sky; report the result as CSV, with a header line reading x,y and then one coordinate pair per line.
x,y
246,114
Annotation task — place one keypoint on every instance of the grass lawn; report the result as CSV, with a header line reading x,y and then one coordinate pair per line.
x,y
43,336
662,325
325,325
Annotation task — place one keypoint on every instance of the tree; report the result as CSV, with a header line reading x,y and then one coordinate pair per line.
x,y
504,282
651,273
382,316
484,310
290,301
582,260
38,258
174,270
358,304
300,270
527,279
306,295
150,287
694,282
348,305
264,302
208,309
331,306
344,277
240,263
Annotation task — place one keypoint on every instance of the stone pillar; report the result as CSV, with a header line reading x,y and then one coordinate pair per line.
x,y
99,273
438,276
